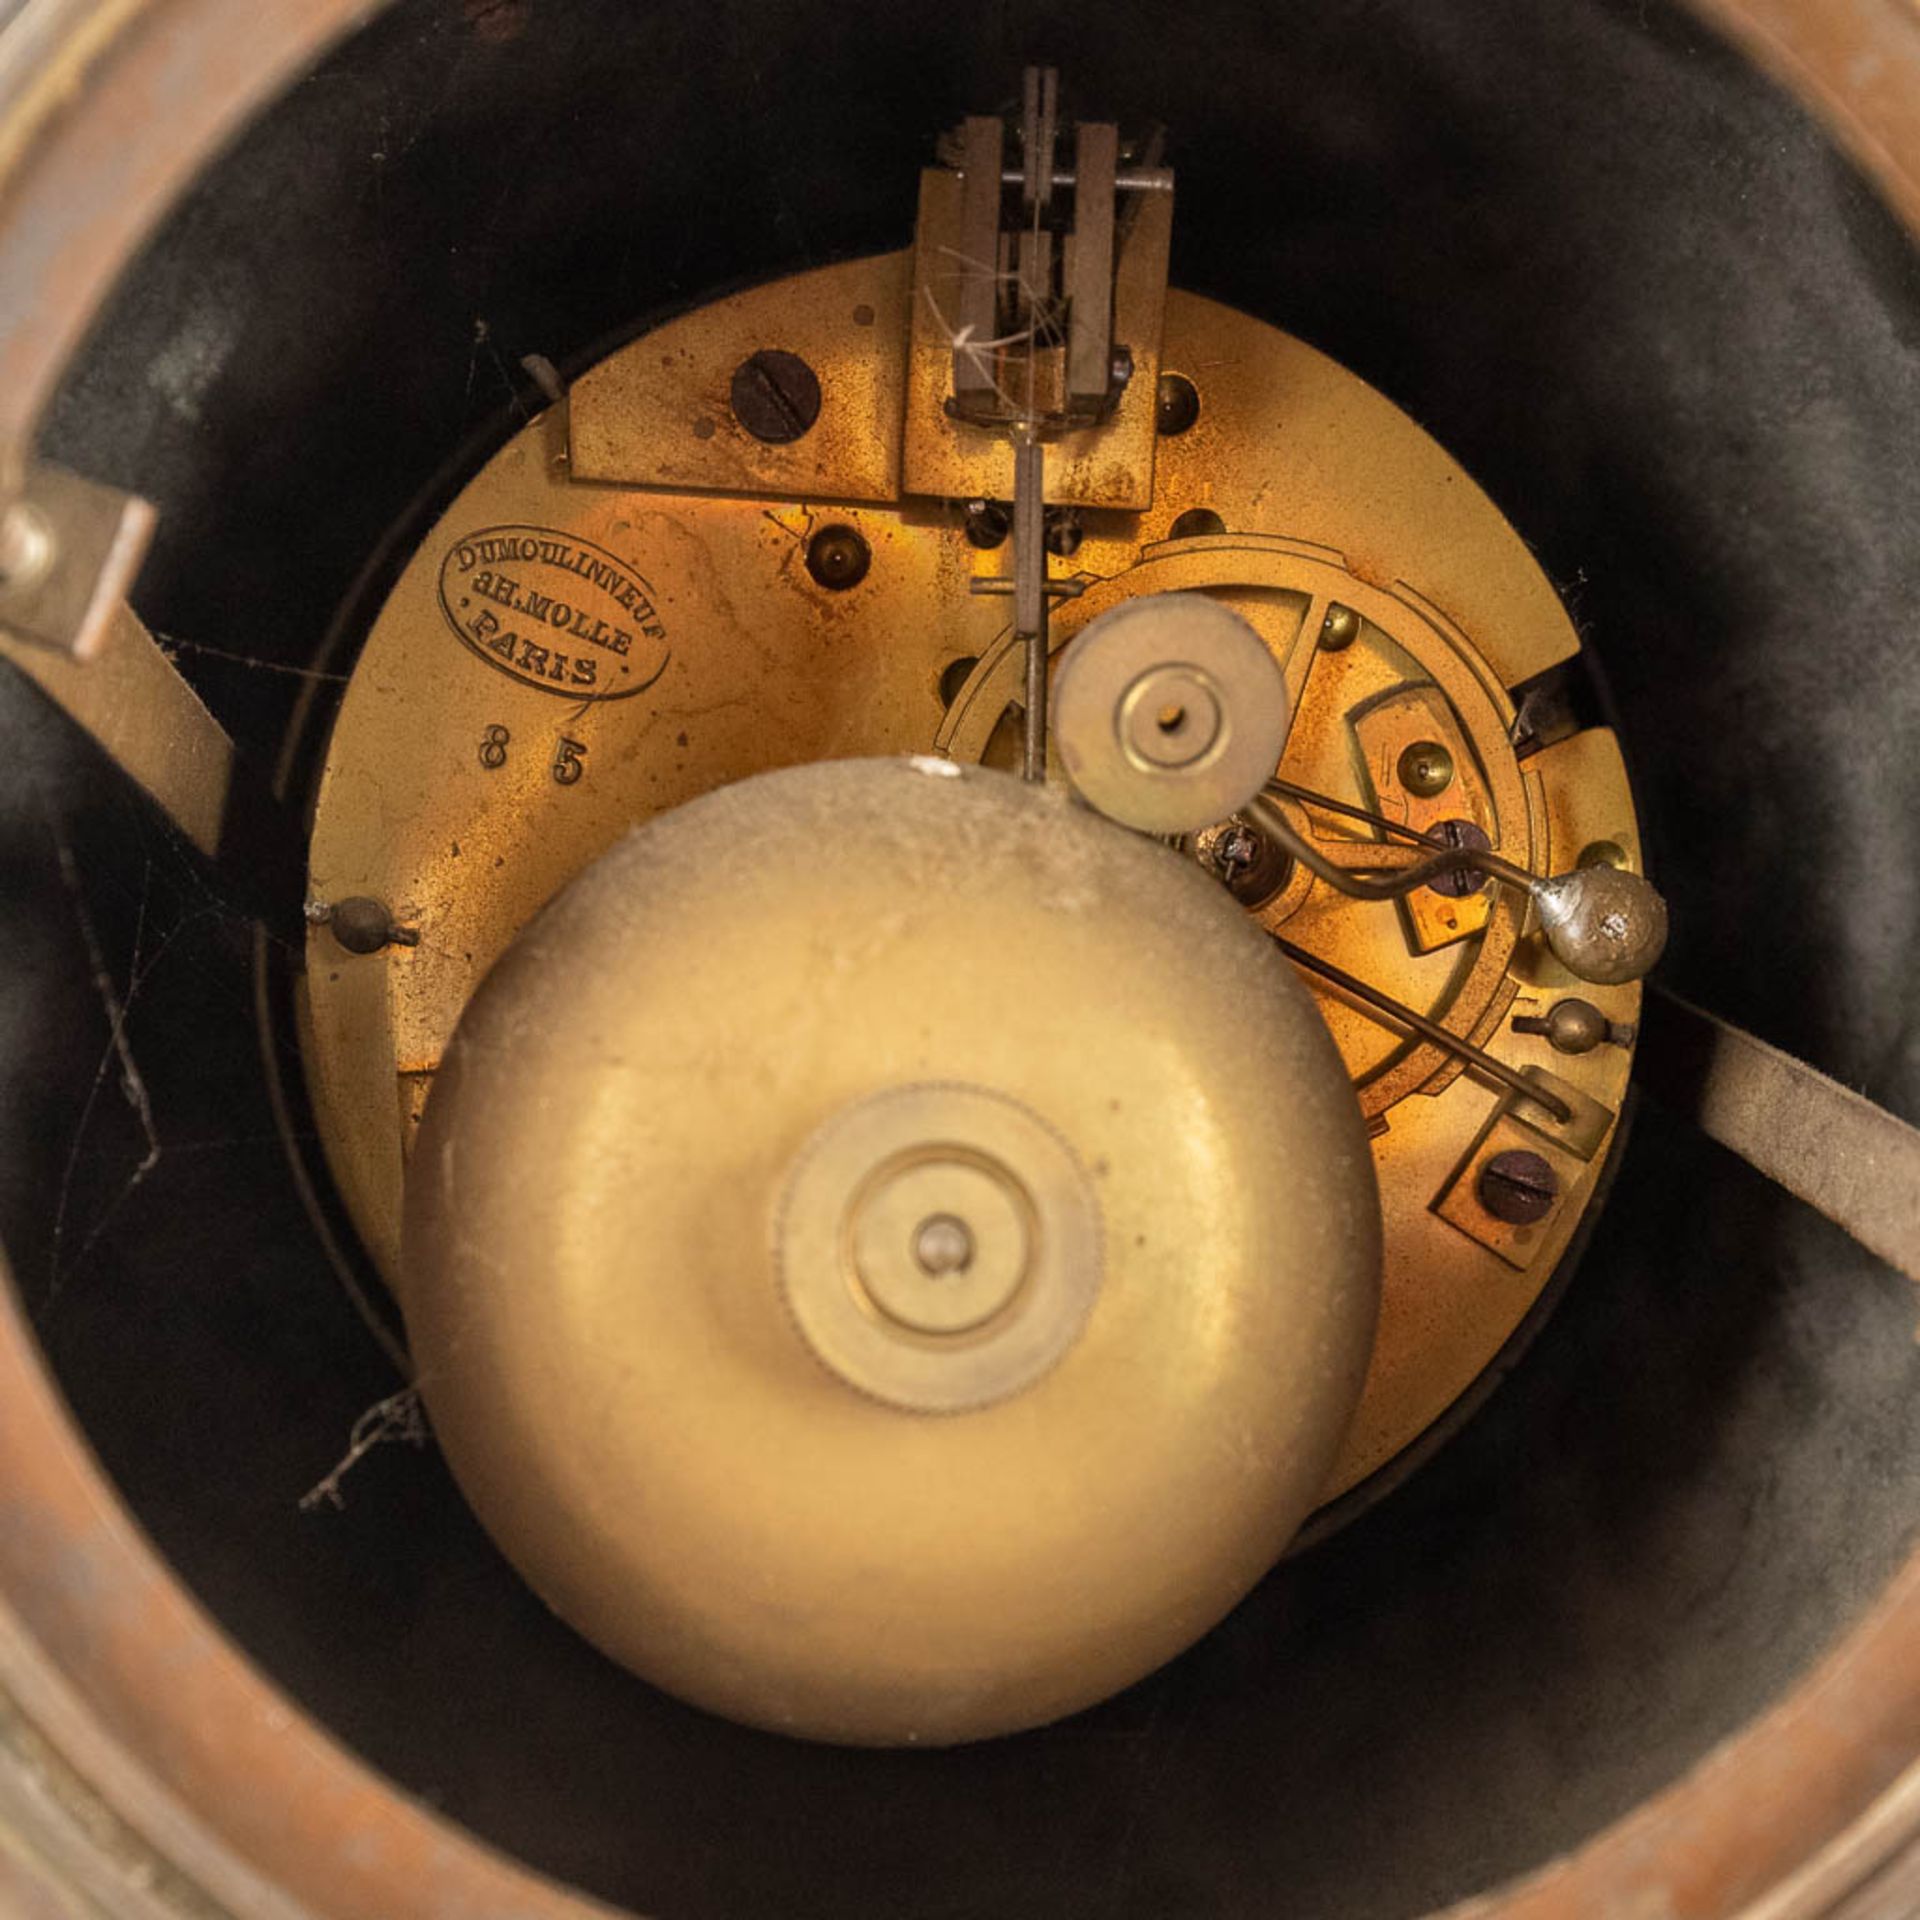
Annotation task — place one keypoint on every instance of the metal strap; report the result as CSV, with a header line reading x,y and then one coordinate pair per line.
x,y
1850,1160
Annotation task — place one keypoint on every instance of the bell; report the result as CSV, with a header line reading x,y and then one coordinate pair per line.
x,y
833,1384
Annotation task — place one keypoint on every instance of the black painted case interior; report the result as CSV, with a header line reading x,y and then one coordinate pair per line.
x,y
1636,292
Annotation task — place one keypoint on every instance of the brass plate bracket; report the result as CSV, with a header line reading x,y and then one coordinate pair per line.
x,y
1110,466
1588,1121
660,415
1568,1147
878,335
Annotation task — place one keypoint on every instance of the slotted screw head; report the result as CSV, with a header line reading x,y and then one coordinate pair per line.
x,y
775,396
1518,1187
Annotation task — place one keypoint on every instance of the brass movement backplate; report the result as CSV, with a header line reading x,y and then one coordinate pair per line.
x,y
567,656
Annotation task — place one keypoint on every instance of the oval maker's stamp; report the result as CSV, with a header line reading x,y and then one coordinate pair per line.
x,y
554,611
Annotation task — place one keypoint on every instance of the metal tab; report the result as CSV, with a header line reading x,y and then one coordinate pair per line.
x,y
976,262
658,413
1090,280
1848,1159
69,550
1097,466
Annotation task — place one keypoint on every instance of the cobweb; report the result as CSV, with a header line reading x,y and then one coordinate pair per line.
x,y
169,896
400,1416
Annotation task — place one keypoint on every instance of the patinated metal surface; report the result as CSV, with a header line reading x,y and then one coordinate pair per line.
x,y
1857,63
1826,1144
1728,1839
197,1775
106,113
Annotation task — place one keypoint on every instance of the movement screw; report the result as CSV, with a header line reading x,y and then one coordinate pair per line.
x,y
1518,1187
838,558
1468,880
1339,629
1177,404
26,547
1197,523
988,523
1426,769
775,395
1064,532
